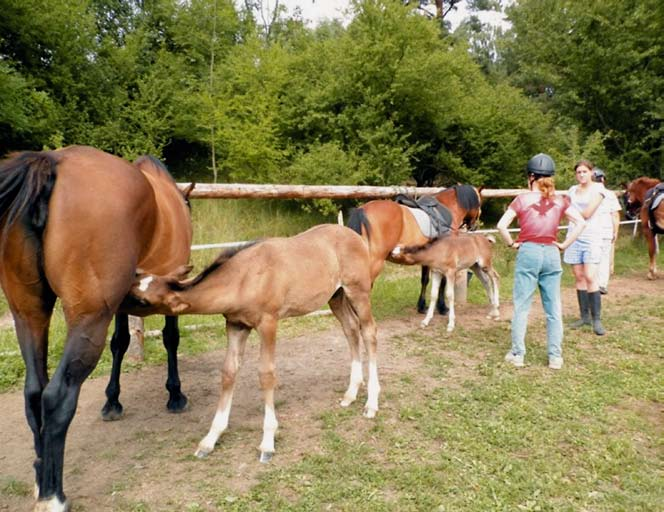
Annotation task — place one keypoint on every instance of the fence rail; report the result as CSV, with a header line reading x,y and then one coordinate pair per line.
x,y
254,191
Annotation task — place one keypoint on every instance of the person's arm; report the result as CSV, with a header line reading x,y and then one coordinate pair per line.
x,y
615,217
502,226
596,198
573,215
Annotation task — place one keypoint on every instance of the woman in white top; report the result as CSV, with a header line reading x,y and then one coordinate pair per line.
x,y
585,253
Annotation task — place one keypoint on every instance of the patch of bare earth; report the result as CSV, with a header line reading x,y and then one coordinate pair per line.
x,y
148,455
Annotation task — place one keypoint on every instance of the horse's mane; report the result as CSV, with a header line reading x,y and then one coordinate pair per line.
x,y
223,257
149,163
467,197
413,249
26,183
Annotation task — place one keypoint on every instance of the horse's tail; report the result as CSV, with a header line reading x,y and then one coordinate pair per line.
x,y
358,220
26,183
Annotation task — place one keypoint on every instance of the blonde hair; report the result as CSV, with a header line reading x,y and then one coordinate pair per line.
x,y
546,186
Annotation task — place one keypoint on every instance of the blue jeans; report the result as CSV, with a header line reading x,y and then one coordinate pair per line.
x,y
537,265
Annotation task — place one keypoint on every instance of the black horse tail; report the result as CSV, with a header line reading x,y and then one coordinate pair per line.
x,y
26,183
358,220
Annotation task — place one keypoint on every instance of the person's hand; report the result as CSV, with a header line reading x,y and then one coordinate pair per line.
x,y
515,245
560,246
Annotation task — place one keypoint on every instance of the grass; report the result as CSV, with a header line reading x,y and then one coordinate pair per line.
x,y
463,431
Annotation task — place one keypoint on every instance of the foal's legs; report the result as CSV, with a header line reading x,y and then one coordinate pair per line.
x,y
267,329
351,327
360,302
449,294
421,302
237,335
489,279
435,290
177,401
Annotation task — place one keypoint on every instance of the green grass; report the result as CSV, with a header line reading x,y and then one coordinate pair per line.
x,y
462,430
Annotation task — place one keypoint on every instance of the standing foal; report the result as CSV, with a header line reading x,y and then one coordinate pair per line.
x,y
446,256
273,279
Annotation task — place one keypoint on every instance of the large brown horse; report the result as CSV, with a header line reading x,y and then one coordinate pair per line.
x,y
75,224
386,225
274,279
639,196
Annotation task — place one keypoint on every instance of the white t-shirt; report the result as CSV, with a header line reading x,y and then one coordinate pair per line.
x,y
593,231
606,209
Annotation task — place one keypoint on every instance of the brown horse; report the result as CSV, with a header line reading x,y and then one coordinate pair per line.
x,y
386,224
274,279
639,195
447,255
75,224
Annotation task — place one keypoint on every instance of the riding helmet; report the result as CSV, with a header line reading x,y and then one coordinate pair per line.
x,y
542,165
598,175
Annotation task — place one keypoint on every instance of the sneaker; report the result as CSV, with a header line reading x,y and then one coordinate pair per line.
x,y
555,363
603,290
514,359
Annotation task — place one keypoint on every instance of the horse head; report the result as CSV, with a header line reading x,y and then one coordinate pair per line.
x,y
635,193
161,292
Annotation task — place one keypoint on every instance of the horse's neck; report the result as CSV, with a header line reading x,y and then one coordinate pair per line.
x,y
215,294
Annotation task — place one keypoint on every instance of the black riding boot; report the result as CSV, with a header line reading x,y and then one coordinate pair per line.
x,y
584,307
596,311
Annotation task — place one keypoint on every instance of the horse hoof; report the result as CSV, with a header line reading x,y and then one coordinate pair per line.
x,y
346,402
266,457
450,328
202,452
423,324
52,505
112,412
370,413
178,405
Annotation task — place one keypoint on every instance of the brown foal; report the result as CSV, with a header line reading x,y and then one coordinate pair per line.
x,y
257,286
446,256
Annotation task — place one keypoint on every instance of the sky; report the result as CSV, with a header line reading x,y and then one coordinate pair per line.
x,y
321,9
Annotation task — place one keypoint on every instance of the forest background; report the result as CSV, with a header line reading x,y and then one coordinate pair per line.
x,y
223,93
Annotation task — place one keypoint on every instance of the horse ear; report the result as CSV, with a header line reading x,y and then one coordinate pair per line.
x,y
175,304
181,272
189,189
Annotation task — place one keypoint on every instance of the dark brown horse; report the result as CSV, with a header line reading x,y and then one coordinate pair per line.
x,y
386,224
639,196
259,285
75,224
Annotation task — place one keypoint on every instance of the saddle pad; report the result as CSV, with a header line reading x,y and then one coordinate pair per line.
x,y
424,222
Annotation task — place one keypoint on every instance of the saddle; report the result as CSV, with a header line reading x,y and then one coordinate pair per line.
x,y
653,198
439,216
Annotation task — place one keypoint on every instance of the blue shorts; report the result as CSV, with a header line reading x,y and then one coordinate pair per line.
x,y
583,251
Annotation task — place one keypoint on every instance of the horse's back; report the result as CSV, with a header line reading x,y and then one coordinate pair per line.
x,y
170,244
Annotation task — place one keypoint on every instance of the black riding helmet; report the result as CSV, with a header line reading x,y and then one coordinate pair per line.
x,y
598,175
541,165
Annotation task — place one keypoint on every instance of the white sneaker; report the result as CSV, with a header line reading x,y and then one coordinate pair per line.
x,y
555,363
514,359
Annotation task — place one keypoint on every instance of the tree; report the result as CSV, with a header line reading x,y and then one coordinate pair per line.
x,y
599,63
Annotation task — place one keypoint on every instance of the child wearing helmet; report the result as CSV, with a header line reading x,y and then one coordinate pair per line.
x,y
538,260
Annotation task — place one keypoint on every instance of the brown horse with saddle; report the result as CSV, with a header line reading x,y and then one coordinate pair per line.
x,y
645,197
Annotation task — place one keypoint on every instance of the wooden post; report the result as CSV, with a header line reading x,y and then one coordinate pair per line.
x,y
461,287
136,351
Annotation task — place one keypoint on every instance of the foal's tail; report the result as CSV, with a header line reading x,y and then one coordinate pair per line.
x,y
358,220
26,183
